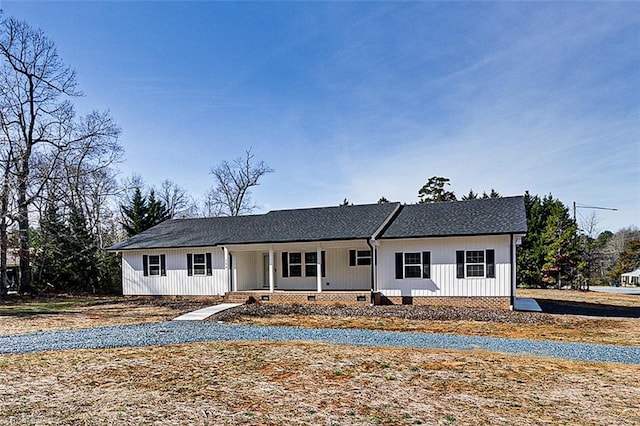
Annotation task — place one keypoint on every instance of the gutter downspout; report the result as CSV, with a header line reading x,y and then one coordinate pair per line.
x,y
512,248
373,243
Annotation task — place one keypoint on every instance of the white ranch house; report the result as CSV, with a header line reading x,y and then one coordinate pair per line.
x,y
460,252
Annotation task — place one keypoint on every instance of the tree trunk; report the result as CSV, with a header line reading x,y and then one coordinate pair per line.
x,y
23,229
4,241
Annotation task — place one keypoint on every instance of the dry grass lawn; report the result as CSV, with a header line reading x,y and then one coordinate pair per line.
x,y
72,313
618,331
566,328
628,300
311,384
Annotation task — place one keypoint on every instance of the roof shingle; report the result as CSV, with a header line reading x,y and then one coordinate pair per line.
x,y
299,225
459,218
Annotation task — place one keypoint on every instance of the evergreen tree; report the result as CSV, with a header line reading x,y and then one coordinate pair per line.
x,y
470,196
134,216
142,213
82,258
628,260
492,194
158,212
548,255
434,191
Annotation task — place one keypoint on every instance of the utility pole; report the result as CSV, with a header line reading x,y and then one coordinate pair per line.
x,y
575,208
578,206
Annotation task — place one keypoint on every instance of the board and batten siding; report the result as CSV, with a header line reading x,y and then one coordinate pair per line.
x,y
443,281
339,276
250,267
176,281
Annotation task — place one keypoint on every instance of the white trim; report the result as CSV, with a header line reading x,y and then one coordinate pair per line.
x,y
319,269
271,271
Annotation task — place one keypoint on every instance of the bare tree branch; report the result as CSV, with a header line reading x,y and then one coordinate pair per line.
x,y
230,195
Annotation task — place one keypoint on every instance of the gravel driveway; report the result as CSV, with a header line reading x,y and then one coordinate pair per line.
x,y
185,332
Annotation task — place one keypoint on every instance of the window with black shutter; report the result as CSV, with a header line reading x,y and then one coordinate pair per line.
x,y
413,265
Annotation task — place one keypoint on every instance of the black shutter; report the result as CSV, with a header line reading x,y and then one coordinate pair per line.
x,y
491,263
324,269
208,258
426,264
352,258
189,264
399,268
163,268
285,264
145,265
460,264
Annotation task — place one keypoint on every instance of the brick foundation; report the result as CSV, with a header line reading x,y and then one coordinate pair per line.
x,y
301,297
362,298
467,302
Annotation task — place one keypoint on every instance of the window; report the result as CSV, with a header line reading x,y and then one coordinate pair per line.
x,y
359,257
310,264
154,265
475,264
413,265
293,264
199,264
474,260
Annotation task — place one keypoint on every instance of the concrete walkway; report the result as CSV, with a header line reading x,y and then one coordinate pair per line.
x,y
526,304
204,313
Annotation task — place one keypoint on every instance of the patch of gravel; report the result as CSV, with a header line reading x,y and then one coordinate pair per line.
x,y
176,332
440,313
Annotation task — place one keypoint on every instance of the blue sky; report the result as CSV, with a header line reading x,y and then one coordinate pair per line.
x,y
367,99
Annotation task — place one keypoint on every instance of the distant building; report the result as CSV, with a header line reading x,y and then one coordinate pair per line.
x,y
631,278
13,267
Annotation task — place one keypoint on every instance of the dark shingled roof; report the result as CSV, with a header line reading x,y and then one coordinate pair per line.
x,y
459,218
314,224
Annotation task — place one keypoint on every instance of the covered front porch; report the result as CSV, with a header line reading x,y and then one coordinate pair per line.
x,y
318,267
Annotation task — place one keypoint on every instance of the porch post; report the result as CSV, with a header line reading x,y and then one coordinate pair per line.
x,y
319,269
234,266
271,270
226,268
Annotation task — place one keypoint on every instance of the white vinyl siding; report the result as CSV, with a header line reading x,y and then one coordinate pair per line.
x,y
249,267
176,281
443,279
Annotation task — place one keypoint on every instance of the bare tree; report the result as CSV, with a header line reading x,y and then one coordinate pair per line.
x,y
175,198
37,120
231,194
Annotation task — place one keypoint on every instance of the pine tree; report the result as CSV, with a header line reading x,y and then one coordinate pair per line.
x,y
142,213
470,196
548,255
433,191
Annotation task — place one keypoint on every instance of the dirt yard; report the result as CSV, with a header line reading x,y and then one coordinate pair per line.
x,y
63,313
302,384
67,313
309,384
617,330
